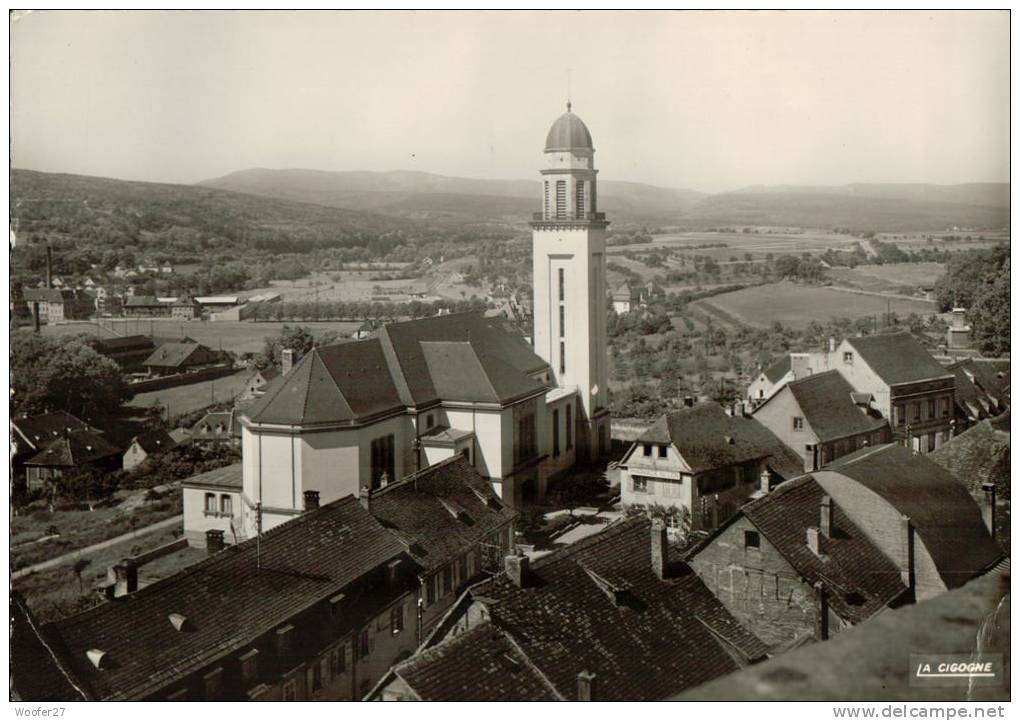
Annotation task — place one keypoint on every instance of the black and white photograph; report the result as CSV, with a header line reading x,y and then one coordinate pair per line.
x,y
510,356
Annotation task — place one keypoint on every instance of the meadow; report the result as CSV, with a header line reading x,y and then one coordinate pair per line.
x,y
889,278
182,400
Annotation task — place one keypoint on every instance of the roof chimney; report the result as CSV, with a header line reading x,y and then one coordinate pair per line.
x,y
688,401
826,520
214,541
832,345
125,578
988,507
907,565
311,500
660,550
814,541
393,572
287,358
586,686
517,568
765,480
821,612
365,498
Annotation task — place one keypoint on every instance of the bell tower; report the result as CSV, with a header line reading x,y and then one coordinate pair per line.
x,y
569,264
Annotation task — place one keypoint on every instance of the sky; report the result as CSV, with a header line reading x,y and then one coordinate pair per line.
x,y
712,101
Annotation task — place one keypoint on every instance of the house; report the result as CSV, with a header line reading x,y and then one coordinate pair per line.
x,y
627,298
792,566
217,302
30,434
700,464
821,418
145,306
610,618
57,305
919,516
146,445
768,382
72,453
185,308
213,502
257,382
980,455
981,391
128,352
958,333
316,609
217,427
180,357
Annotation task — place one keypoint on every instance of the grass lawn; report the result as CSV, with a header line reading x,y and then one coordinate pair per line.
x,y
194,396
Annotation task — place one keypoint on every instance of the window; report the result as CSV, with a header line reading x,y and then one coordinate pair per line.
x,y
916,408
901,415
317,677
430,592
556,432
397,619
462,568
226,505
466,452
562,283
563,312
639,484
848,358
752,539
579,198
363,644
563,357
429,420
546,199
526,446
798,423
570,427
447,579
931,407
290,690
662,451
383,470
647,449
561,199
340,657
944,402
210,503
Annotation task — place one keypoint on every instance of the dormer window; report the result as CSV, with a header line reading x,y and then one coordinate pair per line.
x,y
662,451
798,423
848,358
647,450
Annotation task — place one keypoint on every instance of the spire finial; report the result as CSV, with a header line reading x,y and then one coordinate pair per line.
x,y
568,106
569,71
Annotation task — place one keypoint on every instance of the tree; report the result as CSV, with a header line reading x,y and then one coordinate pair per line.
x,y
966,274
990,315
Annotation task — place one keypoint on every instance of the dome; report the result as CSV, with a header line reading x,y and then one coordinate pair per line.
x,y
568,133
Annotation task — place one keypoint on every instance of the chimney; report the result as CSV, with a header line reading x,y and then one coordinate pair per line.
x,y
765,481
832,345
287,358
393,573
126,578
988,507
517,570
49,267
213,541
814,540
660,550
821,612
35,315
826,521
688,401
365,498
311,500
586,686
907,567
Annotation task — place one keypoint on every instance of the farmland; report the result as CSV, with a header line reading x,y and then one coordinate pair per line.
x,y
181,400
889,278
796,305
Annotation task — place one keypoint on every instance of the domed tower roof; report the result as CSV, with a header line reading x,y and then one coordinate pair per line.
x,y
568,133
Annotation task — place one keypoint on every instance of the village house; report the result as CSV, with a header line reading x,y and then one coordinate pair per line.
x,y
31,434
981,392
769,381
217,427
185,308
57,305
699,464
821,418
128,352
212,502
257,382
612,617
71,453
145,306
145,446
180,357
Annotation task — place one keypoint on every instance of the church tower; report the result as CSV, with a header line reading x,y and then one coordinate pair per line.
x,y
568,250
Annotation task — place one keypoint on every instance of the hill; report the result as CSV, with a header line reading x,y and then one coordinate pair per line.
x,y
419,194
994,195
825,209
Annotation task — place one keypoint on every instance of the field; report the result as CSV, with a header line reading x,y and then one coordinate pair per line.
x,y
889,278
182,400
796,305
235,336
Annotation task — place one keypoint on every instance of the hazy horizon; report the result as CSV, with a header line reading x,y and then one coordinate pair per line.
x,y
708,101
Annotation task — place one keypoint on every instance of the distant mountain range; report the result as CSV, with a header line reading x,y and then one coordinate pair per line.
x,y
859,206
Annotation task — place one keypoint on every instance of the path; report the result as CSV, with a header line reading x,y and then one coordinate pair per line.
x,y
74,555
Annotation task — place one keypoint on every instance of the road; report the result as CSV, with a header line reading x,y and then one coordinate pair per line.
x,y
74,555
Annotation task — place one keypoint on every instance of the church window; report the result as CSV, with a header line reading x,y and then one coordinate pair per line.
x,y
556,432
562,283
383,470
563,357
561,199
570,427
563,313
547,199
526,446
579,198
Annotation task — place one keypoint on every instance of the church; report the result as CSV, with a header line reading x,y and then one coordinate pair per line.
x,y
356,415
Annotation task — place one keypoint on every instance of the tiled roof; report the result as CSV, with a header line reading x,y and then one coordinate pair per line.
x,y
175,355
228,600
441,512
128,342
73,450
703,435
825,400
897,357
212,421
336,383
658,638
46,295
155,441
226,477
777,370
442,435
942,511
978,455
46,427
460,371
36,673
859,578
481,664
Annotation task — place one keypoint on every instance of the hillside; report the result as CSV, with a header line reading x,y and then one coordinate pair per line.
x,y
417,194
831,210
995,195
